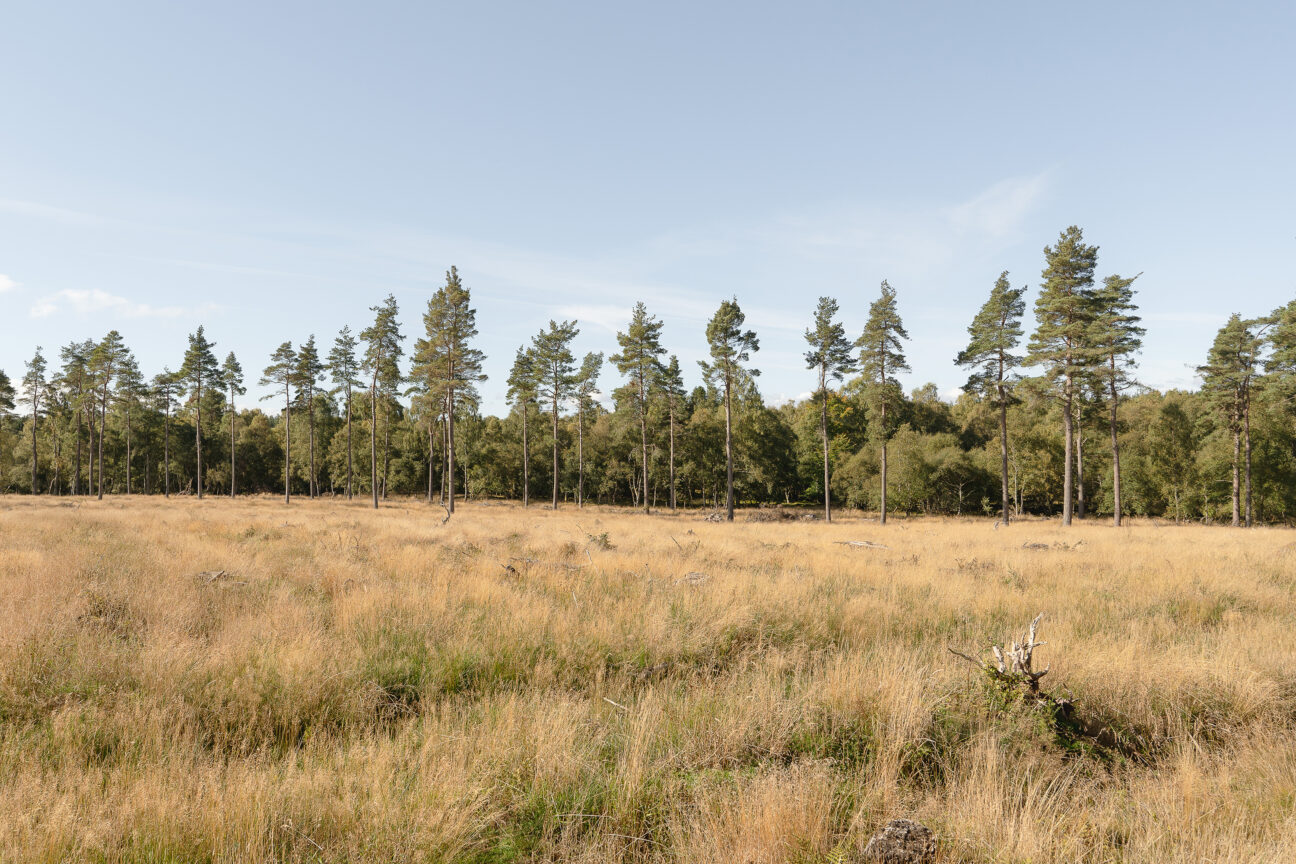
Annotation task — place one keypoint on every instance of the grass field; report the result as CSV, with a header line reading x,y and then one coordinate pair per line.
x,y
528,685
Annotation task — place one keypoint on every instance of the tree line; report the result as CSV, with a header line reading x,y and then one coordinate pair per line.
x,y
1080,436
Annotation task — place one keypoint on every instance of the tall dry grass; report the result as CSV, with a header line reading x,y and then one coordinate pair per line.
x,y
378,686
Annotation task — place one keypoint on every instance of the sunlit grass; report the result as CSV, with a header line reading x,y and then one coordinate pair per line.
x,y
364,685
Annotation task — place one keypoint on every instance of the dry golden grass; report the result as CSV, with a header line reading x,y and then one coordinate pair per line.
x,y
377,686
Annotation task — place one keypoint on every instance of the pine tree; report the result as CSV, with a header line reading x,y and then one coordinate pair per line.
x,y
344,371
308,374
73,378
33,392
447,362
555,367
382,363
231,379
586,389
130,390
830,356
640,348
199,369
672,389
1227,380
996,331
730,347
1060,342
282,372
881,357
6,394
166,389
522,386
1116,337
105,364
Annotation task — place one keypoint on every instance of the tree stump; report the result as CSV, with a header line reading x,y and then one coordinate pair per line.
x,y
902,841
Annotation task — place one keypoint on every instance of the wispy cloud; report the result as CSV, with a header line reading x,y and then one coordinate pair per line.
x,y
95,301
6,283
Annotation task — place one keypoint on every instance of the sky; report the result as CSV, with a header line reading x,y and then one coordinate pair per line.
x,y
273,169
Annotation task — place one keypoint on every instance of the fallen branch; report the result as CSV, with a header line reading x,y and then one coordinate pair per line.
x,y
1013,664
861,544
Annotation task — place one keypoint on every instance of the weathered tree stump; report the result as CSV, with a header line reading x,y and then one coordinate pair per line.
x,y
902,841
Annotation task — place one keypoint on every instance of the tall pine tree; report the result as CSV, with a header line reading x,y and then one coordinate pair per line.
x,y
881,358
382,363
344,372
231,379
282,372
200,369
555,366
1060,343
731,347
522,387
640,347
830,357
585,391
995,332
1116,337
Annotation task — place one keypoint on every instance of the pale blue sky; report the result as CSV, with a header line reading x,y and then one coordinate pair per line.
x,y
273,169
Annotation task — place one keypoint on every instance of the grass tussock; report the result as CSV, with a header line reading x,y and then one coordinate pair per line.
x,y
231,682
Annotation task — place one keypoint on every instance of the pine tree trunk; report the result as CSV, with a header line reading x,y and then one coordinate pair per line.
x,y
1080,486
1246,431
198,435
526,460
373,438
450,453
128,451
233,415
386,447
1115,441
431,459
310,422
166,450
76,473
580,453
729,495
672,455
1068,454
555,449
1003,448
103,414
882,521
350,449
35,396
1237,451
823,429
643,438
287,444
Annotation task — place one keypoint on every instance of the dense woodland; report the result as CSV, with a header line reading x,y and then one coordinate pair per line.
x,y
378,413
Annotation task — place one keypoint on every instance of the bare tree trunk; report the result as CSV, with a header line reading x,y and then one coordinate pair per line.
x,y
1068,439
671,417
35,397
450,452
729,495
555,449
233,415
373,438
580,453
526,460
386,447
1080,486
310,422
103,414
166,450
884,466
1115,441
1003,447
350,449
823,429
128,450
287,442
197,433
1246,432
1237,451
643,437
